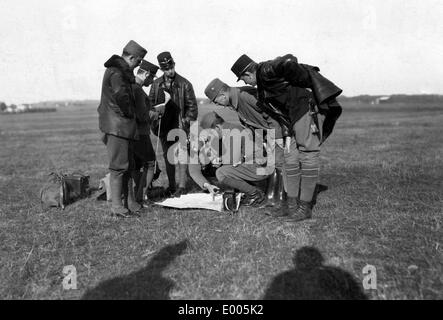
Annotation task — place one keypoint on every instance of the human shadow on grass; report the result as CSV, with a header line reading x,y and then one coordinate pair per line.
x,y
145,284
311,280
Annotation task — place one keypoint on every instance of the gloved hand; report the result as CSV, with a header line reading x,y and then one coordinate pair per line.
x,y
160,109
216,162
154,115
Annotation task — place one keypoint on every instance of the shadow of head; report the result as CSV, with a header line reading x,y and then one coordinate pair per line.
x,y
147,283
312,280
307,258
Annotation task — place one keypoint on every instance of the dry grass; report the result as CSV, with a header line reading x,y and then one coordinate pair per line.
x,y
384,171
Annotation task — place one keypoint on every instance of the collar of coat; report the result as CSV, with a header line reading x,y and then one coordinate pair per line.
x,y
174,82
233,97
118,62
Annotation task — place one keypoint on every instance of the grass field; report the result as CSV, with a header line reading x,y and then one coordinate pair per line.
x,y
383,166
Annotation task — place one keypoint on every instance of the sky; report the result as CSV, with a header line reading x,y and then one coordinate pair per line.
x,y
55,49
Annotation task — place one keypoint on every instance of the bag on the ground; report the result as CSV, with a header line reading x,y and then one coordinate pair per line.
x,y
52,194
105,187
76,187
63,189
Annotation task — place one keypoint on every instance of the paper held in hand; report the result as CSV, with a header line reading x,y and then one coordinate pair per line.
x,y
195,201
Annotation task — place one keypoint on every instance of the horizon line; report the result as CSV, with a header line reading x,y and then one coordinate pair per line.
x,y
205,98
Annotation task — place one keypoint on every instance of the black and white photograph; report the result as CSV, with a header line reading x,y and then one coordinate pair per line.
x,y
231,151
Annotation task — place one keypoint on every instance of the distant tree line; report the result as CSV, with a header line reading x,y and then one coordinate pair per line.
x,y
396,98
5,109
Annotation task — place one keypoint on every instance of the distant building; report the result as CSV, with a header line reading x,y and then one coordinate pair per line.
x,y
10,109
380,100
21,108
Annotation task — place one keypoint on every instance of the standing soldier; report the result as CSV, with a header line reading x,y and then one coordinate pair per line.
x,y
118,124
300,98
144,154
177,113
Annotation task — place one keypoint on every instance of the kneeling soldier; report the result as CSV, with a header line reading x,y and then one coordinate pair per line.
x,y
237,169
244,102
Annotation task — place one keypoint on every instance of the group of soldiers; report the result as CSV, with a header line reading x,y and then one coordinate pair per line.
x,y
287,109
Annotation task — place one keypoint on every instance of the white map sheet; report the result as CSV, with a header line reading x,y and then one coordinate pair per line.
x,y
194,201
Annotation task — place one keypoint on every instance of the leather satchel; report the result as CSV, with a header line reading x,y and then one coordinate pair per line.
x,y
63,189
75,187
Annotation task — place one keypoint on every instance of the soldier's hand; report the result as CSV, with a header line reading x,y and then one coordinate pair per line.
x,y
214,190
216,162
160,108
153,115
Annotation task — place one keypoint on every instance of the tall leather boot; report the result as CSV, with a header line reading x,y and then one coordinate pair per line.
x,y
138,185
272,189
282,203
170,172
116,185
275,192
182,173
133,205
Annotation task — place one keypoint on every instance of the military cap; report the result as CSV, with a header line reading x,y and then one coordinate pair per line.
x,y
240,66
210,119
133,48
165,60
149,67
214,87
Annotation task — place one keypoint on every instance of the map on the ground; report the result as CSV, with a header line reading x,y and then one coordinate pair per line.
x,y
195,201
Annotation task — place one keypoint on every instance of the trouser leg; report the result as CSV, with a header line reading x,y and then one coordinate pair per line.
x,y
309,154
238,177
292,170
125,189
182,166
310,171
139,183
288,163
147,177
170,167
183,175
